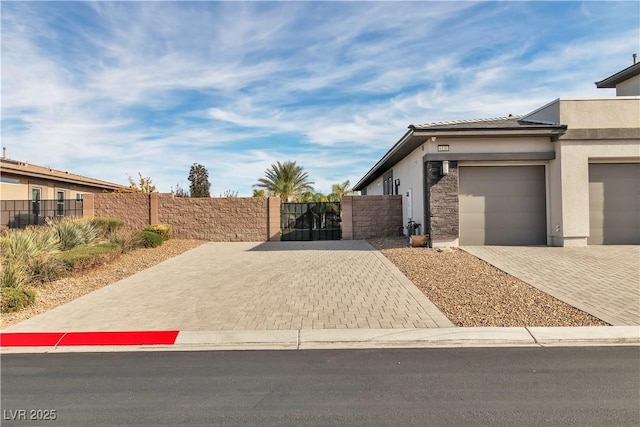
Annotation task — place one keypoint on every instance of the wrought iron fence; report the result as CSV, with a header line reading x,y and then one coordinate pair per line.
x,y
21,213
311,221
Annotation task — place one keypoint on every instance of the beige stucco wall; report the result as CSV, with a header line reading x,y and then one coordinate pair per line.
x,y
630,87
603,113
410,169
570,219
48,190
610,113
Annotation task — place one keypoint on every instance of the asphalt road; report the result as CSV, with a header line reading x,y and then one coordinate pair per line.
x,y
597,386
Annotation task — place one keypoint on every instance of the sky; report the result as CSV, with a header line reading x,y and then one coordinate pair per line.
x,y
110,89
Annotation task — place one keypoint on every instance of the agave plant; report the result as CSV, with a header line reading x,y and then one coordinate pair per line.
x,y
73,232
14,274
29,243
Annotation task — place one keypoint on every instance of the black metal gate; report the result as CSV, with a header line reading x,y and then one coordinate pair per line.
x,y
310,221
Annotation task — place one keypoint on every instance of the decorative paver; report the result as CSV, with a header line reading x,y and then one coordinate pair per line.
x,y
603,281
253,286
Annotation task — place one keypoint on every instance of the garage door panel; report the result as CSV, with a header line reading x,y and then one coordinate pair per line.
x,y
502,205
508,221
524,204
614,204
515,188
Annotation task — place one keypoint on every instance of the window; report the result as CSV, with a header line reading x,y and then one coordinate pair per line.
x,y
387,183
60,203
35,201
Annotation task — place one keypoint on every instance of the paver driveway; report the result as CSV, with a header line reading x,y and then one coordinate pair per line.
x,y
251,286
602,280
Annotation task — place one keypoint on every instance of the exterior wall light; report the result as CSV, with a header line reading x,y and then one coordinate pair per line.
x,y
445,167
397,183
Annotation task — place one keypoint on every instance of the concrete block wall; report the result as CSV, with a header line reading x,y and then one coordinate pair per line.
x,y
226,219
443,202
235,219
371,216
232,219
132,208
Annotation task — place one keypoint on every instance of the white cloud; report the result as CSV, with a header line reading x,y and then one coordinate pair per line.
x,y
105,88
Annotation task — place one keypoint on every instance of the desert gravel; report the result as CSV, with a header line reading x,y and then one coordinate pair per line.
x,y
52,294
471,292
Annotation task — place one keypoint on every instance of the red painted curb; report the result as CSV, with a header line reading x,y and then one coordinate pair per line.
x,y
50,339
30,339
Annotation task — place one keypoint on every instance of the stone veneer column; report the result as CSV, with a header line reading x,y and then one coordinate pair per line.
x,y
88,205
347,218
273,219
443,201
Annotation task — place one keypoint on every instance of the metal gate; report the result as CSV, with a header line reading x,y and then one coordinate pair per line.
x,y
310,221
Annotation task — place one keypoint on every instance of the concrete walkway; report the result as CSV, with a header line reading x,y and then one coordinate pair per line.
x,y
253,286
601,280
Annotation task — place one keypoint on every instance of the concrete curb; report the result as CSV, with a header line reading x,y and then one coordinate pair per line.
x,y
370,338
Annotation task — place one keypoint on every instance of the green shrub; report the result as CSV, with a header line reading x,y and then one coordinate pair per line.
x,y
151,239
162,229
83,257
73,231
107,226
127,240
47,268
14,299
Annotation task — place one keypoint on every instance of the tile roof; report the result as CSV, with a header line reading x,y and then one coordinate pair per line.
x,y
511,122
27,169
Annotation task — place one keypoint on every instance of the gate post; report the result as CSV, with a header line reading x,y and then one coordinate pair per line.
x,y
347,217
273,219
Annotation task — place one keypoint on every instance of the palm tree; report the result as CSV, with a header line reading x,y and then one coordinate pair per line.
x,y
340,190
285,179
312,196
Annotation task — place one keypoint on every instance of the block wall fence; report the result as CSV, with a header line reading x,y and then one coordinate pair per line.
x,y
238,219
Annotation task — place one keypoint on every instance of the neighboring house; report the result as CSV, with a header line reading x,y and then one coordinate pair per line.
x,y
29,193
566,174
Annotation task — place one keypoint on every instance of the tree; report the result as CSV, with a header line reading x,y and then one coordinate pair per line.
x,y
313,196
285,179
199,178
340,190
144,185
179,191
259,192
229,193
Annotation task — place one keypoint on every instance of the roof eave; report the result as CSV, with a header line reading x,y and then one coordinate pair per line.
x,y
611,81
493,132
367,178
71,179
417,137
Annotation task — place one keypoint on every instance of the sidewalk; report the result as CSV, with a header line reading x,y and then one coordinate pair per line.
x,y
319,339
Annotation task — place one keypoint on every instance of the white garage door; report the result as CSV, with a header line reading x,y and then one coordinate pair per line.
x,y
502,205
614,204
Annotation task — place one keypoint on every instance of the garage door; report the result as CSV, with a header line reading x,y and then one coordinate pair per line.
x,y
614,204
502,205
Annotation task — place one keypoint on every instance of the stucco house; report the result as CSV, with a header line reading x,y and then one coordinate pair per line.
x,y
29,193
566,174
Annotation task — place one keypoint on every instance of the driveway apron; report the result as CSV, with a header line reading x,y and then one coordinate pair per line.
x,y
253,286
603,281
